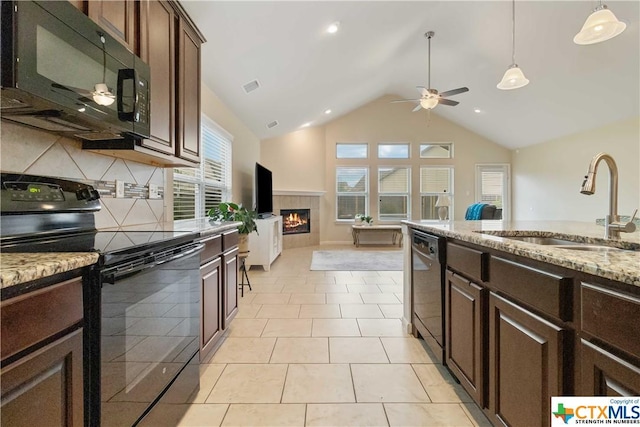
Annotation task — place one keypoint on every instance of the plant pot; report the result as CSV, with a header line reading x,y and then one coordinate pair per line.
x,y
243,243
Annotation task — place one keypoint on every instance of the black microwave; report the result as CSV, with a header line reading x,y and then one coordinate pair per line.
x,y
62,73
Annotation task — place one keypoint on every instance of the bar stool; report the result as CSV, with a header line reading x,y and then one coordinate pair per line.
x,y
242,256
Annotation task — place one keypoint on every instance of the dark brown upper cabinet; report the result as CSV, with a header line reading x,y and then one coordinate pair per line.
x,y
118,17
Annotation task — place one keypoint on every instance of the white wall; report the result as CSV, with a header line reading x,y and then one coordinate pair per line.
x,y
547,176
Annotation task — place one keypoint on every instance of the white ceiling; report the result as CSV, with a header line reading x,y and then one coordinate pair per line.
x,y
381,49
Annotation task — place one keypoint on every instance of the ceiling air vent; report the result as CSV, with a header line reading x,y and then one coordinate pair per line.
x,y
272,124
251,86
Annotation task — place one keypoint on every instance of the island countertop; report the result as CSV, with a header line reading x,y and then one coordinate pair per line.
x,y
619,265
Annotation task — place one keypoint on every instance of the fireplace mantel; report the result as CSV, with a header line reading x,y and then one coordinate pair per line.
x,y
298,193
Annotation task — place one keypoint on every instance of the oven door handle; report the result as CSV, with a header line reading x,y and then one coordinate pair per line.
x,y
134,269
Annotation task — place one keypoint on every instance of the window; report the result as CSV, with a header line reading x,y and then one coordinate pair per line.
x,y
492,186
352,191
196,190
393,193
434,181
351,151
436,150
393,151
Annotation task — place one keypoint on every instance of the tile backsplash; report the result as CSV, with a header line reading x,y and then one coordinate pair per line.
x,y
34,152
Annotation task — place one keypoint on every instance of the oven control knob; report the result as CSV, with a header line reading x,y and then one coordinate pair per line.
x,y
87,194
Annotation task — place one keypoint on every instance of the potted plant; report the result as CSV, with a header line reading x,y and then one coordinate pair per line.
x,y
229,211
364,219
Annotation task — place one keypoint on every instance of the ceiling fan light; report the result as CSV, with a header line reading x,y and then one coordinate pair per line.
x,y
102,96
601,25
513,78
429,103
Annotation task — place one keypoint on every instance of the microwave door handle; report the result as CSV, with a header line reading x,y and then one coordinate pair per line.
x,y
126,74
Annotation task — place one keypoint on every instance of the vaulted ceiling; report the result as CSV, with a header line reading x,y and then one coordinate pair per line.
x,y
381,49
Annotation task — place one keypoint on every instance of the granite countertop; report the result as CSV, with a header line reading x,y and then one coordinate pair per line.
x,y
18,268
621,266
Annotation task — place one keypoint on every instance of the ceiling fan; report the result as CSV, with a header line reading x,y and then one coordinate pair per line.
x,y
429,97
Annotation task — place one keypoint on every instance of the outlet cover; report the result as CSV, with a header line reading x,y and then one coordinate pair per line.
x,y
153,191
119,189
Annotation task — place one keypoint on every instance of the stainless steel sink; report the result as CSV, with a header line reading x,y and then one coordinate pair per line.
x,y
543,240
587,247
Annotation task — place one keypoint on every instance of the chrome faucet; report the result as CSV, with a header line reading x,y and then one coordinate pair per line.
x,y
612,224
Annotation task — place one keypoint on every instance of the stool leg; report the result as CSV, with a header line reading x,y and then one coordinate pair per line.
x,y
247,276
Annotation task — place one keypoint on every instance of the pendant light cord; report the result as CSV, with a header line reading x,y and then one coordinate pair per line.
x,y
104,58
513,38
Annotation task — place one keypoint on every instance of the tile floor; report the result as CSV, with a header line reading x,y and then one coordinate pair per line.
x,y
318,348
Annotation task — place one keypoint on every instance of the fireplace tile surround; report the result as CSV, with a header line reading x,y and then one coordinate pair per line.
x,y
300,200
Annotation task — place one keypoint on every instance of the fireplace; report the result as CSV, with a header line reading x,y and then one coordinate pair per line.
x,y
295,221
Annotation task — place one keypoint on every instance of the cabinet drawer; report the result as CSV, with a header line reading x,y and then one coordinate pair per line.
x,y
229,240
470,262
611,317
545,291
30,318
213,248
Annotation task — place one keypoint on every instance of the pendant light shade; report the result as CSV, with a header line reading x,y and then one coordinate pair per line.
x,y
429,103
514,77
601,25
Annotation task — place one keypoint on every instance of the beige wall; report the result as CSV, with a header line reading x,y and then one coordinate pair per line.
x,y
313,165
246,146
547,176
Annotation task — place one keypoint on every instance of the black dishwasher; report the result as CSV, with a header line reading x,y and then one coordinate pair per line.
x,y
427,291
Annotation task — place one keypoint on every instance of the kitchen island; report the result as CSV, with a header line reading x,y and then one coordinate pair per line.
x,y
536,320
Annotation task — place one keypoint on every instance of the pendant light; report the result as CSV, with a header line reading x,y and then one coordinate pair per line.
x,y
514,77
601,25
101,94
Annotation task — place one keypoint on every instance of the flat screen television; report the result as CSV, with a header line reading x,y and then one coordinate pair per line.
x,y
264,192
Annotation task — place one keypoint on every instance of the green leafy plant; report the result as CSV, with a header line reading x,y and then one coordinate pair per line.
x,y
364,218
229,211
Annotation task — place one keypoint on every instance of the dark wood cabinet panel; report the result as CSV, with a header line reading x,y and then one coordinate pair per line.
x,y
188,93
80,5
118,18
158,50
471,262
211,319
598,319
464,334
604,374
45,386
525,359
230,261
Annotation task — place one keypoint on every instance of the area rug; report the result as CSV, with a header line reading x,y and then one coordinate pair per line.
x,y
357,260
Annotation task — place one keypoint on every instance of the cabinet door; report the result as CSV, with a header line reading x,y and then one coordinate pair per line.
x,y
45,386
118,18
526,359
157,35
210,317
604,374
188,93
230,260
464,302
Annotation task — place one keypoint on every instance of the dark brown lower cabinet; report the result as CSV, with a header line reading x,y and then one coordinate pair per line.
x,y
211,320
525,364
230,261
604,374
45,386
464,302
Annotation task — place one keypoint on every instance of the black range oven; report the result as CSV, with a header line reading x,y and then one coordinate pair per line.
x,y
142,304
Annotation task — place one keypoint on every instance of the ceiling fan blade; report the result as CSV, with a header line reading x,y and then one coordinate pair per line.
x,y
454,91
77,90
405,100
423,90
418,108
447,102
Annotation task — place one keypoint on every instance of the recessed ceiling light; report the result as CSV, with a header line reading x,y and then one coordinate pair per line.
x,y
306,125
333,28
477,110
327,111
